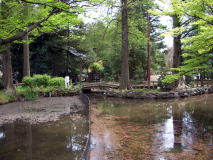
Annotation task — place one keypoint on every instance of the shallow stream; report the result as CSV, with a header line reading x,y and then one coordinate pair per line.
x,y
161,130
129,129
46,129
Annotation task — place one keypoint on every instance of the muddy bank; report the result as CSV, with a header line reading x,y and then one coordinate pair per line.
x,y
41,110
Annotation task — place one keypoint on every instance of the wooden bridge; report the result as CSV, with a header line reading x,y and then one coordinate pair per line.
x,y
109,85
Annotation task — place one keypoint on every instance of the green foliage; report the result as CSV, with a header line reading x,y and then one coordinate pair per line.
x,y
166,82
50,54
103,42
168,79
30,95
41,80
56,15
36,81
146,90
97,66
28,82
197,37
5,98
57,82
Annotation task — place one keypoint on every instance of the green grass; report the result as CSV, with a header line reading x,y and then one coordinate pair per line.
x,y
5,98
145,90
33,93
55,91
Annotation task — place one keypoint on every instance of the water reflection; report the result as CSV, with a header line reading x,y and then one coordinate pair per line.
x,y
62,140
177,126
2,135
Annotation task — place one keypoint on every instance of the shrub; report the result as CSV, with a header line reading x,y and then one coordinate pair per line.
x,y
4,98
57,82
36,81
97,66
28,82
41,80
165,86
30,95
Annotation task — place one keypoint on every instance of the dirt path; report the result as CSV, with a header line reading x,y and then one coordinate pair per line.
x,y
104,141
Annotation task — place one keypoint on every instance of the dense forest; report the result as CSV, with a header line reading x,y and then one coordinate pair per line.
x,y
106,79
124,45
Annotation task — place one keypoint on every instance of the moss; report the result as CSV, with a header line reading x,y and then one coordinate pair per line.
x,y
145,90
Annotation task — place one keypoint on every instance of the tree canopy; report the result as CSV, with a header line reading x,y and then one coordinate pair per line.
x,y
43,16
62,43
198,45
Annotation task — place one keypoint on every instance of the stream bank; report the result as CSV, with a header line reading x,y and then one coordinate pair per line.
x,y
155,95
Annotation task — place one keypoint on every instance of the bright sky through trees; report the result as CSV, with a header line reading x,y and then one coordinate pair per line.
x,y
100,12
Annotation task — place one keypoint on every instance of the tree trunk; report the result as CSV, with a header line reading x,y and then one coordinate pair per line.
x,y
7,72
177,51
124,80
176,44
148,50
26,51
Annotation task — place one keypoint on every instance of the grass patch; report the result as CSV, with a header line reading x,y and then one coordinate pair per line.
x,y
145,90
30,93
5,98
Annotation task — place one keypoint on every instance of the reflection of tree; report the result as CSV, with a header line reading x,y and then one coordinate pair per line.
x,y
29,141
78,136
18,137
49,140
146,113
9,132
192,120
177,114
201,113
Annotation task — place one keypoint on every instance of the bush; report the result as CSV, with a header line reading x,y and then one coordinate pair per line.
x,y
97,66
41,80
36,81
28,82
165,86
57,82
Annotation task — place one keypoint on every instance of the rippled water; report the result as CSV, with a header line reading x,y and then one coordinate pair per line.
x,y
61,140
161,129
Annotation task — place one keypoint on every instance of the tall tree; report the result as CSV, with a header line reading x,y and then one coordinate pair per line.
x,y
177,51
148,49
197,47
50,15
26,50
7,68
124,80
26,53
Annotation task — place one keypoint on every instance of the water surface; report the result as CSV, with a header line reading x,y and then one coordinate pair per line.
x,y
60,140
165,129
